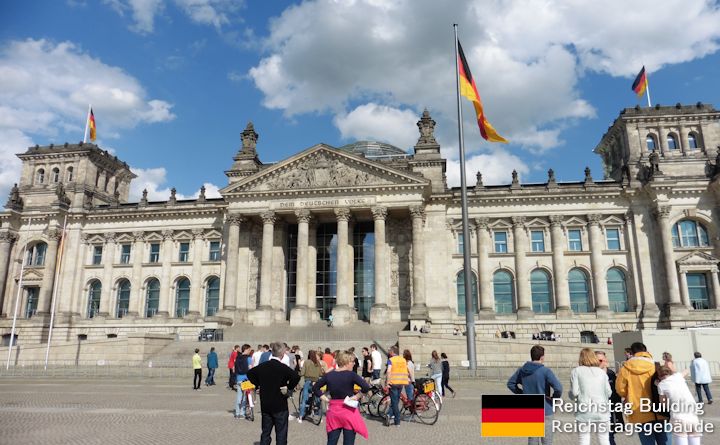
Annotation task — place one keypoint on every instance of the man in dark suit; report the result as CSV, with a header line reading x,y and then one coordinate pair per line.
x,y
275,380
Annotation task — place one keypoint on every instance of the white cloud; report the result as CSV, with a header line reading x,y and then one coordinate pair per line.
x,y
496,168
205,12
47,88
154,181
381,123
526,57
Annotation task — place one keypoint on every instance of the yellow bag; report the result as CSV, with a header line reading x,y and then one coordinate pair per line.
x,y
429,386
247,385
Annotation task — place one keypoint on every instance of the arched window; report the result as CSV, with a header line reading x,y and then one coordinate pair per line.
x,y
650,141
40,176
152,297
460,280
692,141
94,292
688,233
123,299
35,255
579,291
503,291
212,296
55,175
69,174
541,291
182,297
672,141
617,290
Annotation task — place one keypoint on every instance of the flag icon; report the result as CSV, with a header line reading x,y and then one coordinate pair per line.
x,y
469,90
91,125
513,415
641,83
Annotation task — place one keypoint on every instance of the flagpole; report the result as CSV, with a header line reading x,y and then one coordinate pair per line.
x,y
647,89
467,245
17,296
55,290
87,123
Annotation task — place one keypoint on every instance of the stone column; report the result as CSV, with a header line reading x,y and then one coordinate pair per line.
x,y
562,293
136,285
521,270
487,300
233,222
716,288
662,213
6,242
662,141
312,272
597,245
106,294
684,289
344,311
264,315
165,274
683,135
419,310
48,281
299,315
380,312
196,285
634,271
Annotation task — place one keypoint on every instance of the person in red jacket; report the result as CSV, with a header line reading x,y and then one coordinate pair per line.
x,y
231,367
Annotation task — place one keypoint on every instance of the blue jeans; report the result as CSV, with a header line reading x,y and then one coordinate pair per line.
x,y
706,387
394,409
653,438
210,379
334,436
240,400
303,397
409,390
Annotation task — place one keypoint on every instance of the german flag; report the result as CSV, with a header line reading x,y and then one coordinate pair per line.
x,y
641,83
91,125
469,90
513,415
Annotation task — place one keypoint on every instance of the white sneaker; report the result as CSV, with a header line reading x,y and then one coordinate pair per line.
x,y
291,417
299,420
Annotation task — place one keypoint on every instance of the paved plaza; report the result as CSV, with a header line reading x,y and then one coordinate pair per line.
x,y
157,411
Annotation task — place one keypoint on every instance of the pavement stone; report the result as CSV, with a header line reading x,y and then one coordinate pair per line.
x,y
112,411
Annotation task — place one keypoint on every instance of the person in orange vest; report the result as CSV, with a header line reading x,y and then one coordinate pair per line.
x,y
398,376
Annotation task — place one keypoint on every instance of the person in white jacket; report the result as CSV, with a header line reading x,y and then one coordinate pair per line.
x,y
590,390
700,372
674,391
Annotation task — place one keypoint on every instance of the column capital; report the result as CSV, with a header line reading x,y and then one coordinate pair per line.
x,y
234,219
518,221
197,233
268,217
662,212
482,222
417,211
7,237
379,213
110,237
303,216
342,214
628,217
556,220
594,219
56,234
138,235
84,238
167,234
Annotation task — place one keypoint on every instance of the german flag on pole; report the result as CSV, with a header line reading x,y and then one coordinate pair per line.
x,y
513,415
641,83
469,90
91,125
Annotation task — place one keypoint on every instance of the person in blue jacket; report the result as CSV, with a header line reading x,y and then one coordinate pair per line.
x,y
534,378
212,364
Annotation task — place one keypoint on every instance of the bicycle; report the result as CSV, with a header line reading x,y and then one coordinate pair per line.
x,y
313,409
423,405
370,401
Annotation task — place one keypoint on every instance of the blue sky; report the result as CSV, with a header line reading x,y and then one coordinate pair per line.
x,y
173,83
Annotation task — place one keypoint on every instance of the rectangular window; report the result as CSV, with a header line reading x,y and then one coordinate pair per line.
x,y
575,240
155,252
613,239
538,240
125,254
461,243
97,254
184,255
214,251
500,242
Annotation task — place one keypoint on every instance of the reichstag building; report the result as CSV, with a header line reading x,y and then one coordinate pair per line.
x,y
369,233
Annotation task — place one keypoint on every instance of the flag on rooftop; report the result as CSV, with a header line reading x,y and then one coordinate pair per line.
x,y
641,83
91,125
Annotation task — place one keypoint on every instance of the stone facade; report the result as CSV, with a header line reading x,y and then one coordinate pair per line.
x,y
374,236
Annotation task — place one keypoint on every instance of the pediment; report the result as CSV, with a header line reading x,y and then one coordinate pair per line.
x,y
96,238
153,236
698,258
124,238
33,274
183,235
323,167
537,222
574,221
500,224
613,220
213,234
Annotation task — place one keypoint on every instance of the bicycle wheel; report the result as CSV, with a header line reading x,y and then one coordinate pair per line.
x,y
374,403
315,412
250,414
426,409
383,406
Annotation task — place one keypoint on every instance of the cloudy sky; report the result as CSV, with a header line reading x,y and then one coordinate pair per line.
x,y
173,83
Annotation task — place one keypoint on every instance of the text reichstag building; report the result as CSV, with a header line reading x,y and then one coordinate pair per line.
x,y
367,232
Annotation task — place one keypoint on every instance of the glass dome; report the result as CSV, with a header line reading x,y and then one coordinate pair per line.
x,y
374,150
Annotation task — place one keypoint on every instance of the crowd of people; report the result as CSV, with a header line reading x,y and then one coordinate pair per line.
x,y
646,397
275,370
